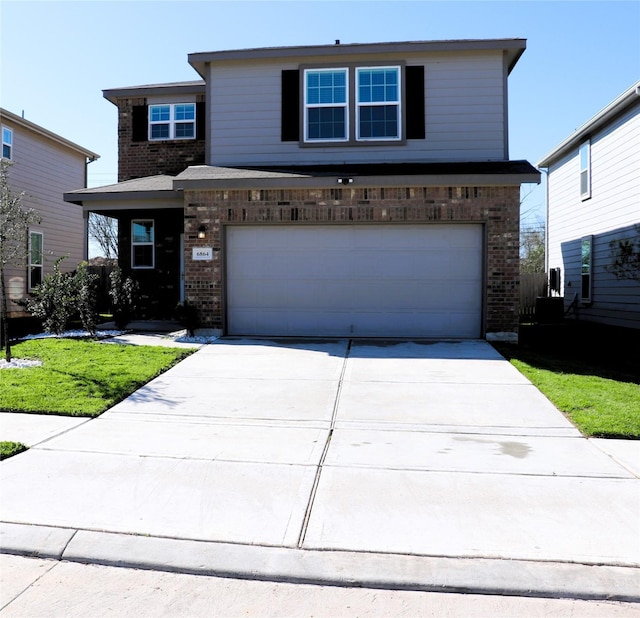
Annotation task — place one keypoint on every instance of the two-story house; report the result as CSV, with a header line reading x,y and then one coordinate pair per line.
x,y
333,190
593,203
43,165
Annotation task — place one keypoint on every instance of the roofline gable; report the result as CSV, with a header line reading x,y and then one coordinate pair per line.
x,y
597,122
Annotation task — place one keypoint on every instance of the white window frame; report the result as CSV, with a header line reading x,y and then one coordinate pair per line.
x,y
391,103
586,269
39,264
173,122
584,161
7,142
308,106
150,243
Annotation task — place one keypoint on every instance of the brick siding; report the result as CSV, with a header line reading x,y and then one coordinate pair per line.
x,y
150,158
495,207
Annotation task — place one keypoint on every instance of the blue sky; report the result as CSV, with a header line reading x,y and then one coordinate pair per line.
x,y
57,57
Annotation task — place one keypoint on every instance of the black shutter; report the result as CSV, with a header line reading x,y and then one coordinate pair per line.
x,y
201,121
290,120
414,90
140,123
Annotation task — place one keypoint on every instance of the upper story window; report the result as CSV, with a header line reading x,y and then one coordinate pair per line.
x,y
378,103
172,121
585,170
142,243
326,96
350,106
7,143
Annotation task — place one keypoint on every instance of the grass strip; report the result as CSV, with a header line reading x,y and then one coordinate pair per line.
x,y
602,399
9,449
80,377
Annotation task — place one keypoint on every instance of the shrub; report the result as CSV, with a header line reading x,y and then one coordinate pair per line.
x,y
63,296
187,315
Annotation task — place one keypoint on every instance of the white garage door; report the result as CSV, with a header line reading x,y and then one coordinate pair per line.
x,y
374,280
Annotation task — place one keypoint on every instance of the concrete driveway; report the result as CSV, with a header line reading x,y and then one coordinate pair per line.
x,y
431,466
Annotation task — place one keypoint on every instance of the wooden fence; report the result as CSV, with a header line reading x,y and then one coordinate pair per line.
x,y
532,285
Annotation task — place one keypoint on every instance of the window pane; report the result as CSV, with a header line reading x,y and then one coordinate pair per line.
x,y
586,255
584,182
6,151
185,129
7,136
35,256
160,113
584,156
379,121
159,131
326,87
142,256
35,276
378,85
326,123
185,112
143,231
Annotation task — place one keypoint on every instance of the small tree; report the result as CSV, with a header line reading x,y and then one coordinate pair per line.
x,y
625,257
54,300
532,241
104,230
86,293
14,248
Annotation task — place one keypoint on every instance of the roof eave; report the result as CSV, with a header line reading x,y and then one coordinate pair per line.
x,y
79,197
428,180
514,48
32,126
625,100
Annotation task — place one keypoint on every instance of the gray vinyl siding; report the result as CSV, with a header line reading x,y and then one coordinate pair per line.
x,y
611,213
44,170
464,108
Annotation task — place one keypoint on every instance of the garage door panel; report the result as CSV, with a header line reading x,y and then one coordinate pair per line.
x,y
378,280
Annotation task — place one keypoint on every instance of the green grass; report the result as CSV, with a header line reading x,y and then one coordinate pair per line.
x,y
80,377
598,390
9,449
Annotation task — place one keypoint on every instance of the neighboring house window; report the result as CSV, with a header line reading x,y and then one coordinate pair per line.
x,y
326,96
35,259
7,143
142,243
172,121
378,103
585,170
586,264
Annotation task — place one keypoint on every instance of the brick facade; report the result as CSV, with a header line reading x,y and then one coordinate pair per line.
x,y
137,159
497,208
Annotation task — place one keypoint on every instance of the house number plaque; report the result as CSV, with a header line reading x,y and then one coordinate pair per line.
x,y
202,253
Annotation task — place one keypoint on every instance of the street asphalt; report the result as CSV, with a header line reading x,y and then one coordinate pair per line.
x,y
409,466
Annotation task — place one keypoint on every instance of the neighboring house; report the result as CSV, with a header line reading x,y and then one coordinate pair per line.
x,y
593,202
44,166
335,190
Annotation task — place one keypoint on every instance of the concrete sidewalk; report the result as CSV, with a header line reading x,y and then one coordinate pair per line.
x,y
421,466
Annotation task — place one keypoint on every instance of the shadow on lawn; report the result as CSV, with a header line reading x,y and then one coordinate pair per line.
x,y
579,348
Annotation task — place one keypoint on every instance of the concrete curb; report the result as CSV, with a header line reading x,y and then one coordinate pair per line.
x,y
329,568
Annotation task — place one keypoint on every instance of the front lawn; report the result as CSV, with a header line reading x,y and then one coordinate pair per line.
x,y
596,387
80,377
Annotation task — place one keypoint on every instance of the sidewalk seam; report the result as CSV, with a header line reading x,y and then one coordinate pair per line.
x,y
325,450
